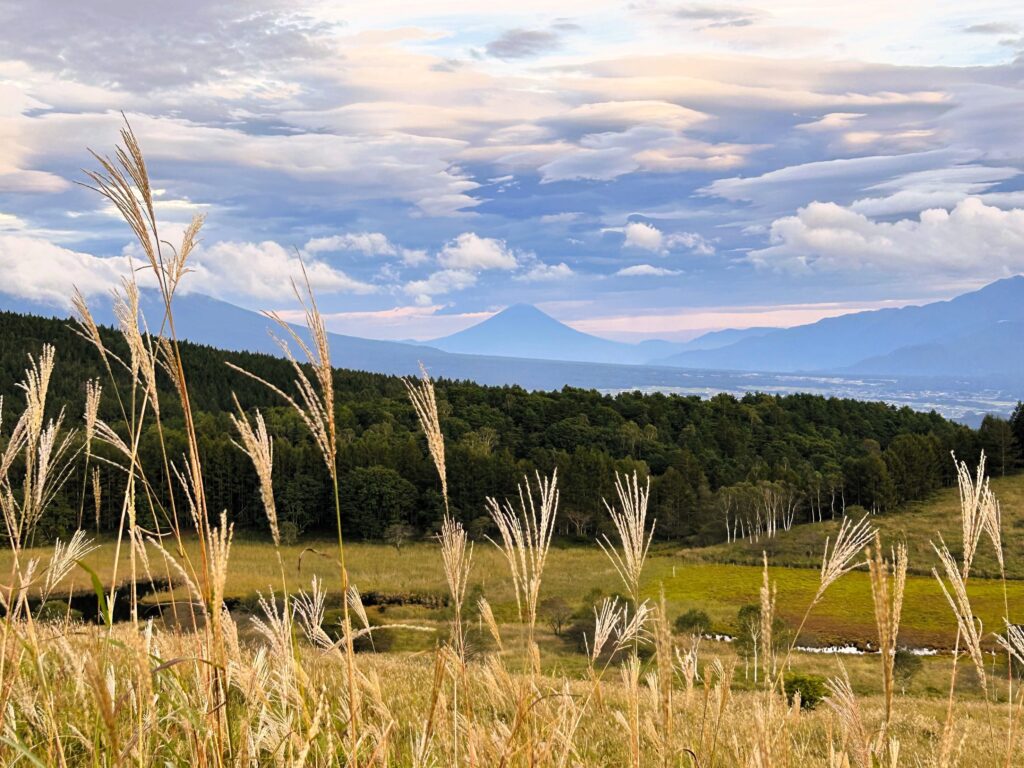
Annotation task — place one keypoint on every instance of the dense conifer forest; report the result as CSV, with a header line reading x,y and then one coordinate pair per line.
x,y
710,460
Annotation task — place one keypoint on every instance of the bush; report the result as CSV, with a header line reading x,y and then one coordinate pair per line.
x,y
398,534
556,613
693,622
480,528
289,533
57,611
905,665
810,687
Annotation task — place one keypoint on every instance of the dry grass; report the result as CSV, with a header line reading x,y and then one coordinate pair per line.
x,y
208,687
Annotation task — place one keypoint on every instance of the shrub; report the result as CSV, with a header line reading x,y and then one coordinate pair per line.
x,y
693,622
289,532
556,613
811,688
57,611
906,664
397,534
480,528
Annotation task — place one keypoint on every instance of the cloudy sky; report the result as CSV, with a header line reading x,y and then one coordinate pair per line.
x,y
644,168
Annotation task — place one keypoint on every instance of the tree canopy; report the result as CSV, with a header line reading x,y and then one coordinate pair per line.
x,y
815,452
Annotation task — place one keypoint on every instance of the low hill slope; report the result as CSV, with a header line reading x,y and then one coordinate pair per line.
x,y
918,524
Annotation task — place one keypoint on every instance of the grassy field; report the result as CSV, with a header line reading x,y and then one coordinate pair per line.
x,y
579,574
718,580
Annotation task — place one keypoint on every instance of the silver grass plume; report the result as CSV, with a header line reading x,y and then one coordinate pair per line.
x,y
956,594
850,541
93,394
257,444
634,536
64,557
424,402
887,596
525,540
974,491
315,402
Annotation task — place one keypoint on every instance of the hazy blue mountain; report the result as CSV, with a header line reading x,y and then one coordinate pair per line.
x,y
710,340
990,353
840,343
217,323
220,324
522,330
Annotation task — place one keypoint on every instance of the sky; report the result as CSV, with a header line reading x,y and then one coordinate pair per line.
x,y
638,169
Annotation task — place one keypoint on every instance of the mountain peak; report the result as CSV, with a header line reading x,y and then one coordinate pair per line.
x,y
522,312
523,330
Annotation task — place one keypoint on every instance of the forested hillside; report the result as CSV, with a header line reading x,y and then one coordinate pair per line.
x,y
802,456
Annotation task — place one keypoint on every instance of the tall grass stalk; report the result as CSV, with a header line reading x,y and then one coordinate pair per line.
x,y
456,550
887,595
314,404
630,521
526,534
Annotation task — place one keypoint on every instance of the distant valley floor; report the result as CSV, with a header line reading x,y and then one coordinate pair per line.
x,y
962,400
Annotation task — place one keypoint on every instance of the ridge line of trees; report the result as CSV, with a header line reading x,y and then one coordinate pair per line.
x,y
722,468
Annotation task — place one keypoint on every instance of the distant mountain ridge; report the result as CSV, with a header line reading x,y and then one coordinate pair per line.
x,y
524,331
205,320
927,340
992,351
973,337
215,323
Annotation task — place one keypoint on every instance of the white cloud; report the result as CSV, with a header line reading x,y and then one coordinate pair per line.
x,y
415,169
833,121
366,243
622,115
691,240
646,270
971,239
414,256
938,188
608,155
445,281
38,270
560,218
645,236
264,271
539,272
469,251
649,238
799,184
11,223
14,175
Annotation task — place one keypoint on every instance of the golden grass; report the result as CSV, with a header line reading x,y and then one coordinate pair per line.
x,y
285,687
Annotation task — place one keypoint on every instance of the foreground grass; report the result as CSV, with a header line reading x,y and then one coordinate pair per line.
x,y
423,710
